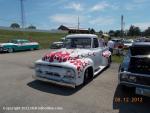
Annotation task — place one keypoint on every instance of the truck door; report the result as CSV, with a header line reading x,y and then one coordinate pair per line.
x,y
96,50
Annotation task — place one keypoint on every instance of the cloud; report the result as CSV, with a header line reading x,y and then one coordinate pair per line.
x,y
102,21
66,19
140,1
142,25
75,6
135,4
100,6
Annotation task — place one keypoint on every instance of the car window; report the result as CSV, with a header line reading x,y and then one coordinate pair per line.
x,y
95,43
78,42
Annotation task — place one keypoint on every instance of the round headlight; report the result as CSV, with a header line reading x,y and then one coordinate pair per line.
x,y
69,73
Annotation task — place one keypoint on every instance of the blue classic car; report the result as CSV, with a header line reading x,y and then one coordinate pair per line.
x,y
18,45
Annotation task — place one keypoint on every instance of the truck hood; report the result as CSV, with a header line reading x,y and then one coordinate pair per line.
x,y
69,57
64,55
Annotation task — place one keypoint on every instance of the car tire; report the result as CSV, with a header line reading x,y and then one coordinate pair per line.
x,y
10,50
88,75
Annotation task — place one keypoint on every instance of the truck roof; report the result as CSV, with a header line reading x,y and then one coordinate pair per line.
x,y
81,36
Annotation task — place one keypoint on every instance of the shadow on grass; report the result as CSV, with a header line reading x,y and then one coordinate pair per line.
x,y
127,105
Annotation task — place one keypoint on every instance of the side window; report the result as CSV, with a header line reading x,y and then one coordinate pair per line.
x,y
95,43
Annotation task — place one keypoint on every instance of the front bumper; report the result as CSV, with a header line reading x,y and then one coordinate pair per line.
x,y
3,49
61,83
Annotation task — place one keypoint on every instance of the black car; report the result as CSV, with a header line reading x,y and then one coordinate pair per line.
x,y
135,68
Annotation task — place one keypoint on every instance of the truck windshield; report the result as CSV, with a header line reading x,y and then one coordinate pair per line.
x,y
77,43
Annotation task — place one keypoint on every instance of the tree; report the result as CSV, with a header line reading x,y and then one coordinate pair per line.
x,y
134,31
15,25
100,32
117,33
92,31
147,32
111,32
31,27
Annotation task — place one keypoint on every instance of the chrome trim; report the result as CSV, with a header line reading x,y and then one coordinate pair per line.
x,y
137,74
54,82
128,83
54,65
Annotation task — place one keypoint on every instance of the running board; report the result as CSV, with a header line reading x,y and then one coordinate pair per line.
x,y
100,69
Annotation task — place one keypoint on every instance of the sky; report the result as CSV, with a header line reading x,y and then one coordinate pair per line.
x,y
98,14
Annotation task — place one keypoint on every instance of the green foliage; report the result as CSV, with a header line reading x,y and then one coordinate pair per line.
x,y
147,32
15,25
117,58
91,30
31,27
134,31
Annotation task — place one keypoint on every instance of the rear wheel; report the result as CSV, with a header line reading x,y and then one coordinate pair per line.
x,y
10,50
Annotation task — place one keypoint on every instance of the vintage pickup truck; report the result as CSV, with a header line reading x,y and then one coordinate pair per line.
x,y
77,63
18,45
135,69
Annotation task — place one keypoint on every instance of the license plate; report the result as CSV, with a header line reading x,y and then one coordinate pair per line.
x,y
142,91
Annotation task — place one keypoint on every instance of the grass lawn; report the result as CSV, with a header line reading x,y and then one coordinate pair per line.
x,y
117,58
44,39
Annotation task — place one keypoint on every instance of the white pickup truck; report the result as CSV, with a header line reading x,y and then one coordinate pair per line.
x,y
78,62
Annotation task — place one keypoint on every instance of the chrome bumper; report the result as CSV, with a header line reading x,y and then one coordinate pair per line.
x,y
54,82
3,49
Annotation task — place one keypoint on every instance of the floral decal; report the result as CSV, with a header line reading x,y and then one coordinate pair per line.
x,y
63,56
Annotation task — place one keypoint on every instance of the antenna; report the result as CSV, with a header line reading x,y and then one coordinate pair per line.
x,y
22,13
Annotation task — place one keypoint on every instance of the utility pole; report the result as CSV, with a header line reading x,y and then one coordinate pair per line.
x,y
122,26
78,23
22,13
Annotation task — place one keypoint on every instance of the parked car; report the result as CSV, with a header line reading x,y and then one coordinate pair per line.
x,y
135,68
127,43
18,45
76,64
58,45
142,39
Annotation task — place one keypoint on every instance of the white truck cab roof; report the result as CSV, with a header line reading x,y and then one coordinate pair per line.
x,y
82,36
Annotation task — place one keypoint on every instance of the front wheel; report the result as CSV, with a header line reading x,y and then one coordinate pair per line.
x,y
10,50
88,75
